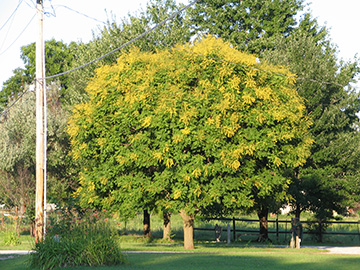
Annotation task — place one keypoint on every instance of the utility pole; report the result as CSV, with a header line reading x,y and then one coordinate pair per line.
x,y
40,127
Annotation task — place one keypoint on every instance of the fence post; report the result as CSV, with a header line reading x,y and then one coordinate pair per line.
x,y
234,229
228,234
277,227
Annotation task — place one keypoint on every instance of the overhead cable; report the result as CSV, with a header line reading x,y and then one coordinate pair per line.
x,y
33,4
18,35
7,33
12,14
20,95
80,13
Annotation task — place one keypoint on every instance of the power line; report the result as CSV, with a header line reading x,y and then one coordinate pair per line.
x,y
12,14
125,44
3,113
80,13
1,53
12,17
33,4
7,32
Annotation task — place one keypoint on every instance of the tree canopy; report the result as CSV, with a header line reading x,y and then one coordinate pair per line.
x,y
194,127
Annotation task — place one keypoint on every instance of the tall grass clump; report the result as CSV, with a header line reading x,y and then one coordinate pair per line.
x,y
74,238
11,238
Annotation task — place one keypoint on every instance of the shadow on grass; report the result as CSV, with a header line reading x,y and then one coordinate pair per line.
x,y
244,260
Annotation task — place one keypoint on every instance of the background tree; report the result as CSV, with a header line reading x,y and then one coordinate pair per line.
x,y
245,22
14,85
58,59
17,154
17,136
188,130
322,185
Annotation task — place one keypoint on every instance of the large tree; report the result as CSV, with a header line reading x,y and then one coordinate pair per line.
x,y
192,128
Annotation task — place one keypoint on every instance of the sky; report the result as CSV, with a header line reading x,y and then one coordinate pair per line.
x,y
76,20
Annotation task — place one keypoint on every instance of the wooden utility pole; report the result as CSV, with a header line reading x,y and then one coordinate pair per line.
x,y
40,132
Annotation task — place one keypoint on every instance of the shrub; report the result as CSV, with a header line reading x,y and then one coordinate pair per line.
x,y
75,239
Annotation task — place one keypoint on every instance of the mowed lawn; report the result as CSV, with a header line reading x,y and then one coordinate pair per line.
x,y
244,259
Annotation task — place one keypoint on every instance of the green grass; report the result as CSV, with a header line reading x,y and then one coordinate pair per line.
x,y
19,262
208,254
223,258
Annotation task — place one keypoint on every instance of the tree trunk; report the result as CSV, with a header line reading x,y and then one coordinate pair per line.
x,y
17,221
32,228
188,229
22,207
146,222
298,208
263,219
297,211
167,226
20,215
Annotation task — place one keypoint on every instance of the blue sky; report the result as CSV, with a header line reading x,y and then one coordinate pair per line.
x,y
64,23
